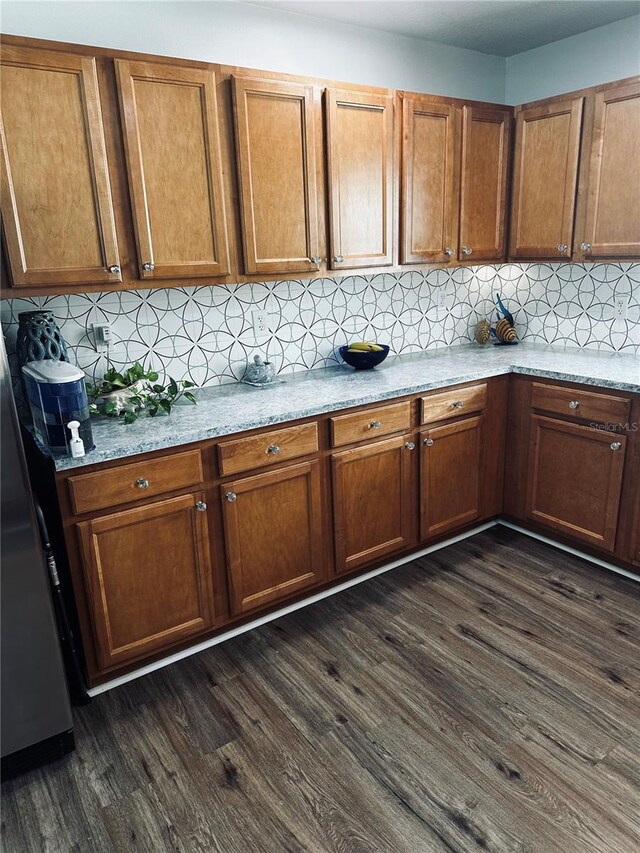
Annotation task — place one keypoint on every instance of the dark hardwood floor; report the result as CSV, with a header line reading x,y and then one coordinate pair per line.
x,y
484,698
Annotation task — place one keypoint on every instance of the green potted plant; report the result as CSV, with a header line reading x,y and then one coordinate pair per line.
x,y
136,391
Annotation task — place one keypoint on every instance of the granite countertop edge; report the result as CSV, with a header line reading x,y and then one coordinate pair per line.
x,y
288,400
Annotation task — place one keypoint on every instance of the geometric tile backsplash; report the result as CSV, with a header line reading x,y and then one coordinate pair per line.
x,y
205,333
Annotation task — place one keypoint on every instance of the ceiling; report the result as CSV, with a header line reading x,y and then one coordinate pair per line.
x,y
499,27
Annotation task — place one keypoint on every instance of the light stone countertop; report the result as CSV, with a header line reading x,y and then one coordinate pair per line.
x,y
233,408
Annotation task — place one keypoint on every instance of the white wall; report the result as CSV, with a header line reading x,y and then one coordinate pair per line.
x,y
257,37
597,56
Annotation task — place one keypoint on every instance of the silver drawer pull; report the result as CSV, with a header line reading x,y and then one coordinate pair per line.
x,y
615,445
273,449
449,253
457,404
562,248
375,424
316,259
585,247
467,250
201,506
428,442
148,266
410,445
114,269
338,259
141,483
574,404
231,497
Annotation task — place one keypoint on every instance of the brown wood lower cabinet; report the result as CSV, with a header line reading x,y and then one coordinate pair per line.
x,y
274,534
373,501
575,479
148,573
450,476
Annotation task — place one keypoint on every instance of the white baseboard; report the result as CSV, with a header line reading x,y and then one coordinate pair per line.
x,y
289,608
589,557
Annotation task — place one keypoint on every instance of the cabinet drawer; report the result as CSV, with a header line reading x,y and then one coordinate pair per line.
x,y
370,423
126,483
279,445
577,403
448,404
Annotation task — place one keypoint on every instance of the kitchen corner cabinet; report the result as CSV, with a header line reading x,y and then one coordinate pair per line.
x,y
274,534
454,181
360,178
276,131
547,151
57,210
148,577
170,126
610,187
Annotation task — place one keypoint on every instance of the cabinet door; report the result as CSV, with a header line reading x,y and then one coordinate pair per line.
x,y
148,576
486,136
429,206
170,124
273,528
450,476
360,151
57,210
373,501
545,175
612,226
575,479
276,142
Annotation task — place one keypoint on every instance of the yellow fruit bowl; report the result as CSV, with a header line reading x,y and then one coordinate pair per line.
x,y
363,359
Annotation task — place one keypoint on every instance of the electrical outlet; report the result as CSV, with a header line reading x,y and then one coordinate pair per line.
x,y
101,336
260,323
620,307
442,301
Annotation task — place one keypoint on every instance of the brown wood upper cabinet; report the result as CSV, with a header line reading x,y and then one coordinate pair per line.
x,y
276,142
361,162
610,225
57,209
429,216
486,141
453,181
149,577
170,125
545,176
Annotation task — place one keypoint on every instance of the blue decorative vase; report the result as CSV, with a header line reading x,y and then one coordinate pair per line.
x,y
39,338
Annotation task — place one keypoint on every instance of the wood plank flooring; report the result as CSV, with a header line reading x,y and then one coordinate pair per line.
x,y
486,698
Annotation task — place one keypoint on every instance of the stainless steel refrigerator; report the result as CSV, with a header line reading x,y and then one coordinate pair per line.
x,y
36,723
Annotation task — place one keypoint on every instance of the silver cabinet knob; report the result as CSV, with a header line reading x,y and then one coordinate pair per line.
x,y
148,267
231,497
114,270
338,259
201,506
457,404
375,424
585,247
273,449
562,247
410,445
141,483
467,250
615,445
428,442
449,253
574,404
316,259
